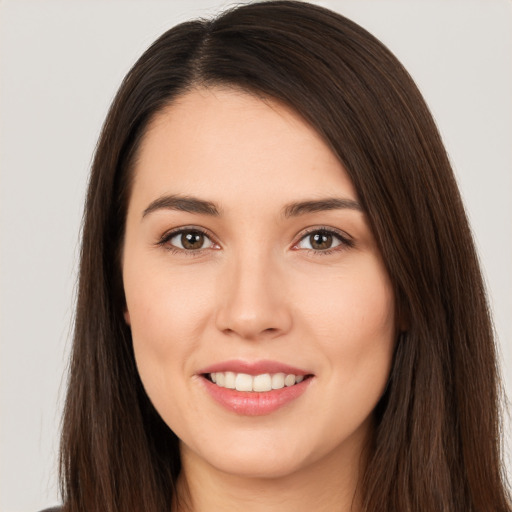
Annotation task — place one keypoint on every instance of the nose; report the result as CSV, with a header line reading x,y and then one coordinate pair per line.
x,y
252,301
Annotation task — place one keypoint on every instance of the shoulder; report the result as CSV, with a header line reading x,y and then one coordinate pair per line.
x,y
53,509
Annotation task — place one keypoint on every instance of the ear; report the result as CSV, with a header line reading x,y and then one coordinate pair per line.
x,y
126,315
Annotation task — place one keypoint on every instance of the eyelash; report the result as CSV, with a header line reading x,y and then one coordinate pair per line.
x,y
167,237
345,241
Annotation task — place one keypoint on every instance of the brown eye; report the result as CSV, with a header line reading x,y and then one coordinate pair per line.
x,y
190,240
322,240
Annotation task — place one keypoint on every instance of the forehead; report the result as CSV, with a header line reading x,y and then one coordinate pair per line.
x,y
228,145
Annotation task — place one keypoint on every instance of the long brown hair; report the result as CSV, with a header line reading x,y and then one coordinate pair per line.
x,y
437,433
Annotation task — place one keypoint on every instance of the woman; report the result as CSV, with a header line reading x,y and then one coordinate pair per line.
x,y
280,305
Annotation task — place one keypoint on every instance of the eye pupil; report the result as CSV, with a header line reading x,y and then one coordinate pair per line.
x,y
320,241
192,240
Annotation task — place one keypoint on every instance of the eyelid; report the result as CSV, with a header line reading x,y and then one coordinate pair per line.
x,y
345,239
170,234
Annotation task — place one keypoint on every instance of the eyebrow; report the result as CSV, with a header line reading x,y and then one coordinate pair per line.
x,y
202,207
319,205
184,204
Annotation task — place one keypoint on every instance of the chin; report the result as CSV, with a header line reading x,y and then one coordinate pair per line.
x,y
256,466
252,454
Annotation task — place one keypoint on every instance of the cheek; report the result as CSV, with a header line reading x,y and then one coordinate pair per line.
x,y
167,315
165,304
351,317
354,304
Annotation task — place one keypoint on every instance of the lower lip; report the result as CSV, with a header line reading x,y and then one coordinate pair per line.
x,y
255,403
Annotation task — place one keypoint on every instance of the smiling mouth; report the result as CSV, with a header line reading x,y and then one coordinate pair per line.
x,y
254,383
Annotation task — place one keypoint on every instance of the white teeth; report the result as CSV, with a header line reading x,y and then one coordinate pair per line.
x,y
278,381
289,380
220,379
243,382
262,382
229,380
259,383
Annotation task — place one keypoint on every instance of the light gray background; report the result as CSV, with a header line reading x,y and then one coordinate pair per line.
x,y
60,65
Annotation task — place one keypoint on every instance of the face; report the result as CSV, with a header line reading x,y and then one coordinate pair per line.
x,y
248,261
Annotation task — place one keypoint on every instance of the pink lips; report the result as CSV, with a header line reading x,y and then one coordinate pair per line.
x,y
254,368
254,403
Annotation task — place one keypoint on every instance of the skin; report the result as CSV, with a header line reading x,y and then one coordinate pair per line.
x,y
257,289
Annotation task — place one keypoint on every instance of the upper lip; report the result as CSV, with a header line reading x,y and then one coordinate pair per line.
x,y
253,367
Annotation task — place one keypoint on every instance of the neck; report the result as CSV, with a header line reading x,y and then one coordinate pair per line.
x,y
326,485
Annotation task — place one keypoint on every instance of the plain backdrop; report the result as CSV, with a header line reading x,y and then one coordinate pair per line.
x,y
60,65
